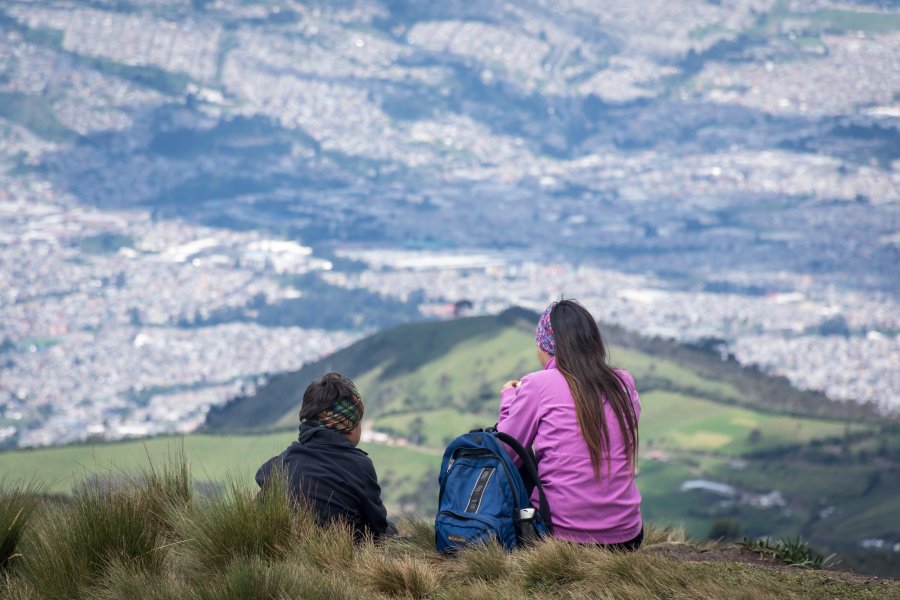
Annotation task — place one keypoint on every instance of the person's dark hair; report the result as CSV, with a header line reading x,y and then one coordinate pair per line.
x,y
581,357
324,392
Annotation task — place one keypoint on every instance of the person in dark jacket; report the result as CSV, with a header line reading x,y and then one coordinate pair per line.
x,y
325,468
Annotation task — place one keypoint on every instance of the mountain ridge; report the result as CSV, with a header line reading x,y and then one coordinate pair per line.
x,y
405,348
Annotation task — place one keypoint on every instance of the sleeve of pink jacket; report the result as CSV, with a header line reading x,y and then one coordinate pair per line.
x,y
519,414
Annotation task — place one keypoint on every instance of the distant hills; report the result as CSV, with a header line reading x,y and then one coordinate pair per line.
x,y
378,359
409,368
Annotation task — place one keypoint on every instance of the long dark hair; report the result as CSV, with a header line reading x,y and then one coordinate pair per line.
x,y
581,357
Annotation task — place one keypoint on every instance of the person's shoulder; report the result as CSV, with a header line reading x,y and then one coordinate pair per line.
x,y
266,468
545,382
628,380
294,448
352,453
543,375
626,377
359,461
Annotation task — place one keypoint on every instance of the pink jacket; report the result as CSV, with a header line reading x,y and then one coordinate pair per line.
x,y
540,412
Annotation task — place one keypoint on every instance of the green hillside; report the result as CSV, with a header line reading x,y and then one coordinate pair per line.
x,y
461,364
833,479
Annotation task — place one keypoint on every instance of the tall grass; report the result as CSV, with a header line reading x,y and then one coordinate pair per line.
x,y
663,535
106,520
168,488
255,579
73,542
18,500
552,564
125,581
239,524
154,539
402,576
485,562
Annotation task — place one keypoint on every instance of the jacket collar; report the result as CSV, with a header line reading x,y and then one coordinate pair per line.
x,y
325,437
551,364
321,435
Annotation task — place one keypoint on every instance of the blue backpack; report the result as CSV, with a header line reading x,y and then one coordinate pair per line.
x,y
484,496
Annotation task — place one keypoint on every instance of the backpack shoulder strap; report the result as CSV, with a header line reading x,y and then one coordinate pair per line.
x,y
529,466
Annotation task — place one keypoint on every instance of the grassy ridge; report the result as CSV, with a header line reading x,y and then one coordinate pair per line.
x,y
378,359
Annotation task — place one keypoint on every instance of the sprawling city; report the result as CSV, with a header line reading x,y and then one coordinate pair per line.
x,y
187,185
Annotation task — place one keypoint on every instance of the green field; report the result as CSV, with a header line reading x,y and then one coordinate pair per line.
x,y
683,422
212,458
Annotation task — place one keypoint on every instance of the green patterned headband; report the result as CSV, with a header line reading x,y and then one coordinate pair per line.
x,y
342,417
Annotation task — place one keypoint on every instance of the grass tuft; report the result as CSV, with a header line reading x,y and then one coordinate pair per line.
x,y
324,548
239,524
483,562
635,574
483,590
17,503
551,564
254,579
152,540
73,542
663,535
18,589
123,581
403,576
167,488
419,533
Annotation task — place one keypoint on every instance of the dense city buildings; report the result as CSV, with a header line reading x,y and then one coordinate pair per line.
x,y
180,182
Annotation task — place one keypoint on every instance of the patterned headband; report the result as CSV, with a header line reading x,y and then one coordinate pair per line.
x,y
544,334
342,417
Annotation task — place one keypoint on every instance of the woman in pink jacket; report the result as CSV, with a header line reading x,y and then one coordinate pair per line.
x,y
581,417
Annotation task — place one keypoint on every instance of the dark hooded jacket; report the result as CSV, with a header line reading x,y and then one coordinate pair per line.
x,y
335,477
